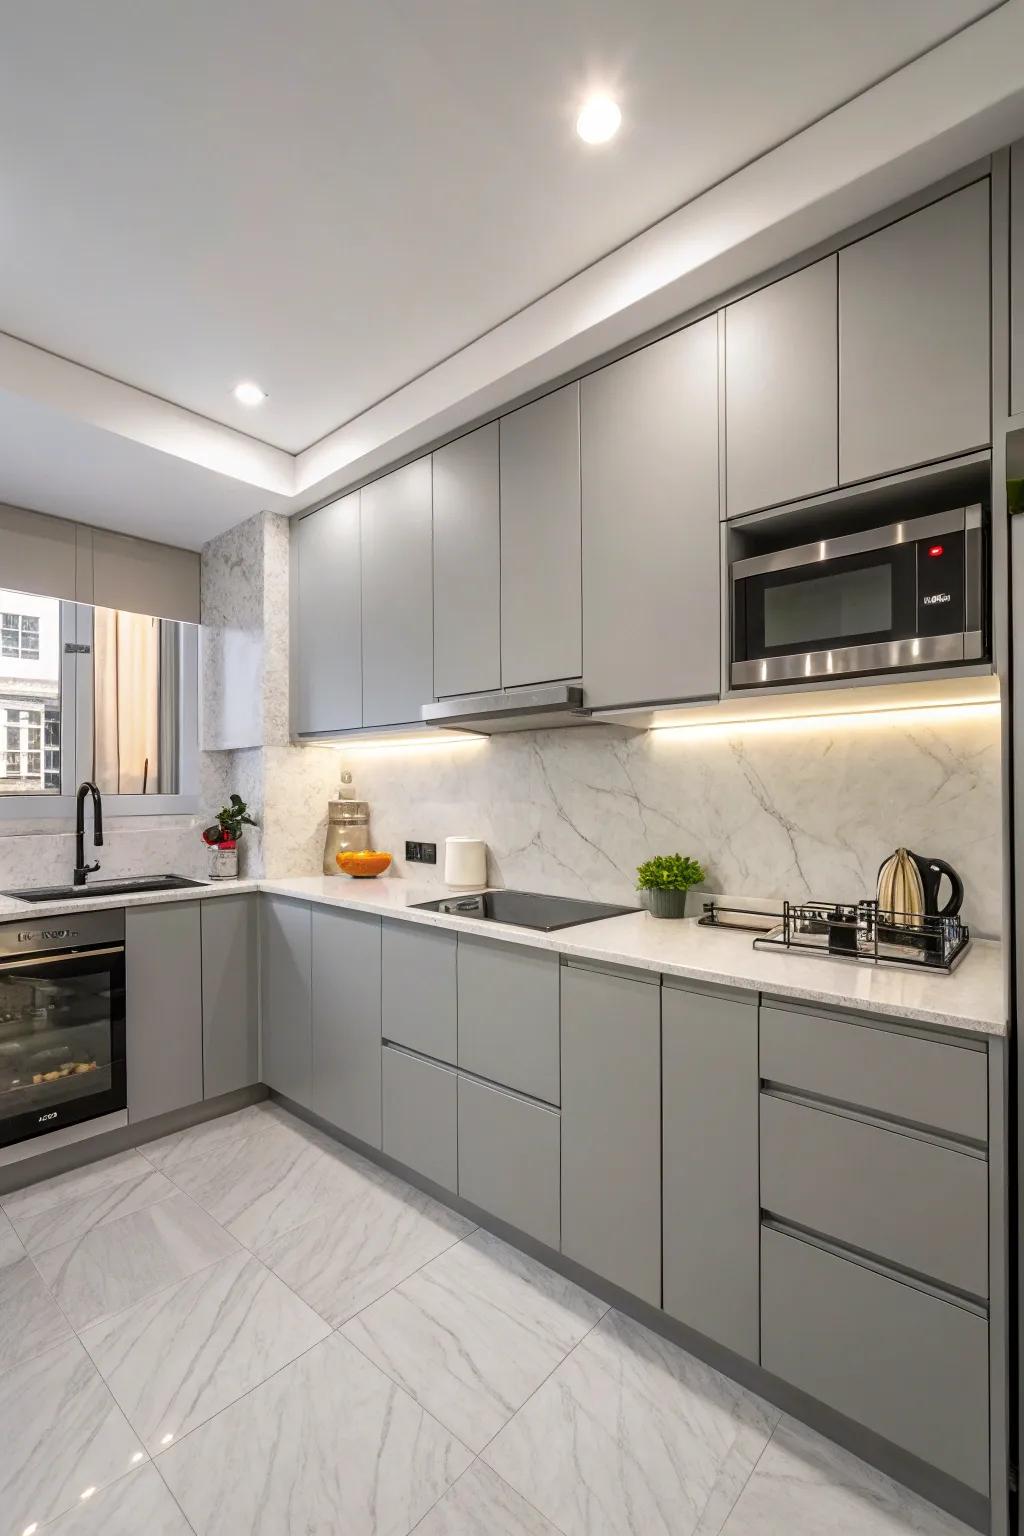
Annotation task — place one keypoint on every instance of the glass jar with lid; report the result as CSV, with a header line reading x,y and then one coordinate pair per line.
x,y
348,830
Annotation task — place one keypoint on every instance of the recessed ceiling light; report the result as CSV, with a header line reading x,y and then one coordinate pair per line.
x,y
598,120
248,393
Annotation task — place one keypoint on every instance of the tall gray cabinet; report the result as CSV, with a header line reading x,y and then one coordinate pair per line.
x,y
346,1020
1017,279
328,675
397,595
541,597
231,1031
467,607
649,435
286,1047
164,1008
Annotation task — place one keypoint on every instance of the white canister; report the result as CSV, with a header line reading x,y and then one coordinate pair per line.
x,y
465,861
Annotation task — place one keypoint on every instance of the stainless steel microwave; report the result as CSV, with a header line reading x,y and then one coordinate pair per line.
x,y
912,594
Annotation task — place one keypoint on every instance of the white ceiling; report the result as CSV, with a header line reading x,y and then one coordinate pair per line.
x,y
331,196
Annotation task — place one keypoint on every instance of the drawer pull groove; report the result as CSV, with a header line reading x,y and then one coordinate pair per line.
x,y
948,1140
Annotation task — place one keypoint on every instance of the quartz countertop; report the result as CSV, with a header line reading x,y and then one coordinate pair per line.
x,y
970,1001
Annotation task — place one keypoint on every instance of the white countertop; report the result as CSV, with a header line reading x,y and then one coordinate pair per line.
x,y
970,1000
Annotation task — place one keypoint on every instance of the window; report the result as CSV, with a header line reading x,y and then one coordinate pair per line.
x,y
20,636
30,692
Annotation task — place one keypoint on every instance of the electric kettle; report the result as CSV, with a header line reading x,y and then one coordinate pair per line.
x,y
892,879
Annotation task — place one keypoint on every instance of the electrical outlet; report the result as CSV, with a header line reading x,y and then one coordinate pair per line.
x,y
421,853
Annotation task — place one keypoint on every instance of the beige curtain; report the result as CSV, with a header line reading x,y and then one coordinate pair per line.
x,y
126,672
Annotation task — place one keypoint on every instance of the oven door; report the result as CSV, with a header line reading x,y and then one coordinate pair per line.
x,y
62,1040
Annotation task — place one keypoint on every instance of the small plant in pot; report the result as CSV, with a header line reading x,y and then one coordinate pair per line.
x,y
223,837
664,881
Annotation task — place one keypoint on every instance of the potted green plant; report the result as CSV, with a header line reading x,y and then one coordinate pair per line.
x,y
224,836
664,881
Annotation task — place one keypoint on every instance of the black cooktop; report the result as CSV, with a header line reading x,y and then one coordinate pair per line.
x,y
525,909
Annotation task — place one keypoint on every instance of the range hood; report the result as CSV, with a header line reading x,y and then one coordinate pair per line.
x,y
518,709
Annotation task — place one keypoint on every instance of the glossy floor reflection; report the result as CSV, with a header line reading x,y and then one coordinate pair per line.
x,y
247,1328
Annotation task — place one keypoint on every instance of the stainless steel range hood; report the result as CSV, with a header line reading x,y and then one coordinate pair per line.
x,y
519,709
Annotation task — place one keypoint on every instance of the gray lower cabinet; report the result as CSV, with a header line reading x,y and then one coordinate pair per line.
x,y
346,1021
711,1213
420,1116
782,390
651,599
611,1127
419,1004
163,1008
1017,279
285,998
541,601
508,1015
326,622
467,578
904,1363
508,1158
397,595
231,1003
914,346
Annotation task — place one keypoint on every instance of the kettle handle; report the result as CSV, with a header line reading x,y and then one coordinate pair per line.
x,y
956,895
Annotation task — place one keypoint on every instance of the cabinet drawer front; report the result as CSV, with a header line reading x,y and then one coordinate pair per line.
x,y
508,1015
418,997
919,1080
907,1365
509,1159
893,1195
419,1103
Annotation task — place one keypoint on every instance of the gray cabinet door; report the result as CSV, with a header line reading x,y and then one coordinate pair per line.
x,y
420,1120
346,1021
397,595
611,1128
651,599
326,625
710,1181
285,998
914,338
467,581
782,390
508,1159
1017,278
164,1008
541,601
231,1001
419,1006
508,1015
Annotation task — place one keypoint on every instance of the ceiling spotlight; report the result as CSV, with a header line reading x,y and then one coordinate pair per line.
x,y
248,393
598,120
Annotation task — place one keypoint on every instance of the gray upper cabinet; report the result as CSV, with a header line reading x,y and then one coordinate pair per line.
x,y
611,1127
651,600
346,1021
419,1007
467,646
782,390
397,595
508,1015
541,599
327,624
914,338
1017,278
710,1165
285,998
163,1008
231,1020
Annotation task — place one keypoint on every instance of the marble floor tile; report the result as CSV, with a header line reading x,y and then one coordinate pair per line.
x,y
116,1265
61,1433
473,1333
73,1218
327,1445
362,1246
482,1504
76,1185
631,1436
11,1247
806,1486
30,1319
140,1504
209,1137
181,1356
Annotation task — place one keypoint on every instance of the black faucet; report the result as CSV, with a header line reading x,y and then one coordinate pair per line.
x,y
81,867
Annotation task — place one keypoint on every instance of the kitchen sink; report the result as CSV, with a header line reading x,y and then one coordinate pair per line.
x,y
143,885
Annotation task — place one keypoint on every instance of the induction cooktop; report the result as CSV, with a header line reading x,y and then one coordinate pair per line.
x,y
525,909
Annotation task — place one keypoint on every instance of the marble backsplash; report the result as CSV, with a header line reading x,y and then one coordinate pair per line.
x,y
132,845
798,811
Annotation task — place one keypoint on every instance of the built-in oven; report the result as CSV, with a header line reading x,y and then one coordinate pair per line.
x,y
912,594
62,1022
